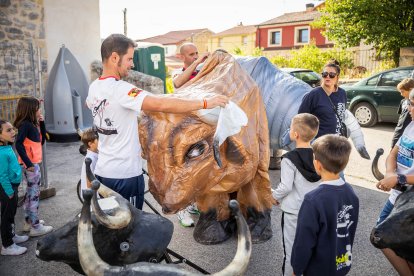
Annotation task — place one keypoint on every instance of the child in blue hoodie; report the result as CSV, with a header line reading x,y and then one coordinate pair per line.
x,y
10,177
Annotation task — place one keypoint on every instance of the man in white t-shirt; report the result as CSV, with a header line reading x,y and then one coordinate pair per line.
x,y
399,173
115,105
189,55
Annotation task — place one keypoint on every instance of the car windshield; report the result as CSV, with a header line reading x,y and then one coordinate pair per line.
x,y
306,76
394,78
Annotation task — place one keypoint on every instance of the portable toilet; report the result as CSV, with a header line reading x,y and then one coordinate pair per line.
x,y
150,60
65,96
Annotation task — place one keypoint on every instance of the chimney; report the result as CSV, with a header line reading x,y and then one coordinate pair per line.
x,y
309,7
240,24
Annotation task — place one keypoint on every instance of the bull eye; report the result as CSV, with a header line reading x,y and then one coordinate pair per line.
x,y
195,150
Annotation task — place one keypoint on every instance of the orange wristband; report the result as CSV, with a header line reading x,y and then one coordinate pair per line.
x,y
204,104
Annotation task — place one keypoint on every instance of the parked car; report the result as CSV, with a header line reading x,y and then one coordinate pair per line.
x,y
376,98
310,77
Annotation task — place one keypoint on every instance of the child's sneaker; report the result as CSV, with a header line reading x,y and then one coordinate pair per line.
x,y
185,219
20,239
27,226
13,250
192,209
40,230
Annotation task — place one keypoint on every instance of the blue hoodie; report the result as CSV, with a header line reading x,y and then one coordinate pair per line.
x,y
10,170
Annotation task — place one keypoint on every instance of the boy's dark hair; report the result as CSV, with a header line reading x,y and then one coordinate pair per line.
x,y
2,122
88,135
117,43
332,151
26,110
307,125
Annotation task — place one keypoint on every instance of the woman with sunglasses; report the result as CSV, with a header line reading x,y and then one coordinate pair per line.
x,y
327,102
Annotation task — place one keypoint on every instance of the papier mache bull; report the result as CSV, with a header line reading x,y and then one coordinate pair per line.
x,y
182,156
93,265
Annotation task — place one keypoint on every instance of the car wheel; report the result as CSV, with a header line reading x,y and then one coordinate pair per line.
x,y
365,114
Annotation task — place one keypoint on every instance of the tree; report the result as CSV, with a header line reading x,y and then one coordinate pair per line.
x,y
386,24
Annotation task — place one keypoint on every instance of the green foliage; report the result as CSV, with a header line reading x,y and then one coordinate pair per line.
x,y
388,25
312,57
238,51
258,52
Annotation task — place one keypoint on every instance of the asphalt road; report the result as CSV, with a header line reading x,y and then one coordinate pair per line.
x,y
64,163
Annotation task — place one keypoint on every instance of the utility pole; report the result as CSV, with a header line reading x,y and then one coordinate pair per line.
x,y
125,21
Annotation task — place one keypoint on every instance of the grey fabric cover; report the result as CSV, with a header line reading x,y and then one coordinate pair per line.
x,y
282,95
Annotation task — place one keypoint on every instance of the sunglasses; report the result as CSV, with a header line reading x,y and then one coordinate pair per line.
x,y
330,74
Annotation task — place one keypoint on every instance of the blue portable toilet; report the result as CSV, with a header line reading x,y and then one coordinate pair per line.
x,y
65,96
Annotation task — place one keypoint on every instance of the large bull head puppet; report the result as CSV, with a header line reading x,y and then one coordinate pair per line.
x,y
397,230
122,234
181,151
92,264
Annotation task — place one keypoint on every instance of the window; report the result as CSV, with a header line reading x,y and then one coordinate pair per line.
x,y
244,40
372,81
220,42
275,37
393,78
301,35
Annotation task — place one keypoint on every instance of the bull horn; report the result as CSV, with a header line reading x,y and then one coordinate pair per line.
x,y
216,152
244,244
88,257
78,130
374,168
120,216
92,264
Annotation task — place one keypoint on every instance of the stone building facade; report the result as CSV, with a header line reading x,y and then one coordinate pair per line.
x,y
22,40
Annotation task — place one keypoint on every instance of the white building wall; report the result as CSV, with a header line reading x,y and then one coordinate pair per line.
x,y
170,50
76,24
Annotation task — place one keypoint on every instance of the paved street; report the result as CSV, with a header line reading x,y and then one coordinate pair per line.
x,y
64,163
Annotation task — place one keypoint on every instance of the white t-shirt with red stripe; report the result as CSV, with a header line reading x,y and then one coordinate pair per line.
x,y
115,105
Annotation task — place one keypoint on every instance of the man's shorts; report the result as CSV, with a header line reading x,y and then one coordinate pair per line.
x,y
131,189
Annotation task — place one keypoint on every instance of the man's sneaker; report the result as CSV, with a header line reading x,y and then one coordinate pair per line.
x,y
13,250
185,219
40,230
27,226
20,239
192,209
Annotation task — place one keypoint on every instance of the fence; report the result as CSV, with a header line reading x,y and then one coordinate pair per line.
x,y
8,105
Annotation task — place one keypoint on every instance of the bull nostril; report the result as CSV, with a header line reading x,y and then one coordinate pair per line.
x,y
165,210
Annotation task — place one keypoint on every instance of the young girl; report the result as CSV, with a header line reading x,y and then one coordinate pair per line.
x,y
10,176
30,138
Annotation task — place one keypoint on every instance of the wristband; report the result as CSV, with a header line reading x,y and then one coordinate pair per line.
x,y
401,181
204,104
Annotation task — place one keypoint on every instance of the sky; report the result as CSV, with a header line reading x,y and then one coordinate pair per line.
x,y
156,17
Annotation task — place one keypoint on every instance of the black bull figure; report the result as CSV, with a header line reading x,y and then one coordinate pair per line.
x,y
397,230
122,240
